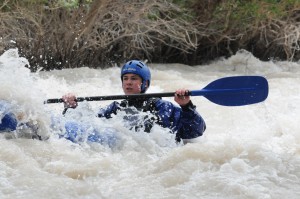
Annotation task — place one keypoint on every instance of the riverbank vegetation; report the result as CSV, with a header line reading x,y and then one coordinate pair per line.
x,y
100,33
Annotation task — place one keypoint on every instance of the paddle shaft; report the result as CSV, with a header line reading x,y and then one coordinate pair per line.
x,y
114,97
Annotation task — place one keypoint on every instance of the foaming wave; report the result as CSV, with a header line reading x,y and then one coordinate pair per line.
x,y
19,88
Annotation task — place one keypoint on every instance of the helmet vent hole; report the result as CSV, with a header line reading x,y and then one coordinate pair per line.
x,y
139,66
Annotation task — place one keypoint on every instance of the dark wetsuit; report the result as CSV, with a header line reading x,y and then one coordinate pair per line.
x,y
186,122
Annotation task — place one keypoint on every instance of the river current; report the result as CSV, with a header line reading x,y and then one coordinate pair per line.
x,y
246,152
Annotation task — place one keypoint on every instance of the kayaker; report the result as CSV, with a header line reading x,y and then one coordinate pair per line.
x,y
184,120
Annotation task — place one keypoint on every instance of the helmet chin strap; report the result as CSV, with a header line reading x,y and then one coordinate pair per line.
x,y
144,86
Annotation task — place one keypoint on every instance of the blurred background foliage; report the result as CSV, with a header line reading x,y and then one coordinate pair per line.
x,y
55,34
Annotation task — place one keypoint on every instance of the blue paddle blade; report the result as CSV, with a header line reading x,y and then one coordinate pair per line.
x,y
235,91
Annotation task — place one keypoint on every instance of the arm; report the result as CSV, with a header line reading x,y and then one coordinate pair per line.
x,y
70,102
184,120
191,124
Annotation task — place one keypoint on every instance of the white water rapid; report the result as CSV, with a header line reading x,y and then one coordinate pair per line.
x,y
247,152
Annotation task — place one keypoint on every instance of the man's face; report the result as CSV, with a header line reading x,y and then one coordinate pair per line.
x,y
131,84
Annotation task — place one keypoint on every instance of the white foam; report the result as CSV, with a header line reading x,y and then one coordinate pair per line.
x,y
246,152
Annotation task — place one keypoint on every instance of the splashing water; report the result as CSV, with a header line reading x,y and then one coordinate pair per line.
x,y
246,152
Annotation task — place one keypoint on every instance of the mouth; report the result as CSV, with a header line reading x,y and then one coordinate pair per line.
x,y
128,90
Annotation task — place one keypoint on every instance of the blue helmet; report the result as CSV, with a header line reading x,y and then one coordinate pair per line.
x,y
139,68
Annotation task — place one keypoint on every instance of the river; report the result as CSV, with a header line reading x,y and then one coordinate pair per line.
x,y
246,152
